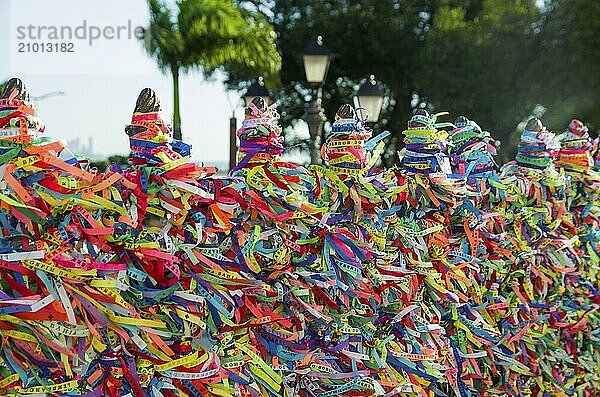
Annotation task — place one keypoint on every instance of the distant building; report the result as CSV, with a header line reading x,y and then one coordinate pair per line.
x,y
86,149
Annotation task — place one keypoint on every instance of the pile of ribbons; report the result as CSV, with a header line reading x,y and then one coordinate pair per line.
x,y
260,135
576,148
471,147
346,151
425,144
538,146
163,279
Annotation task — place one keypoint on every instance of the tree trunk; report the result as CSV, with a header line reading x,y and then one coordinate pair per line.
x,y
176,115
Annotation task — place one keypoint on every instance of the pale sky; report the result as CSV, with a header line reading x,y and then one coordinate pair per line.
x,y
101,81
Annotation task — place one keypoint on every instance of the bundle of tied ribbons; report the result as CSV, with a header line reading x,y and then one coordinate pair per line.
x,y
162,279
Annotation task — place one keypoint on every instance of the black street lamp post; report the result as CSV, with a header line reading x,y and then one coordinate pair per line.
x,y
316,58
315,118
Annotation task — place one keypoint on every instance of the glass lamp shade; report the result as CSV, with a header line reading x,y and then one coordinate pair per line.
x,y
372,104
315,67
370,97
316,59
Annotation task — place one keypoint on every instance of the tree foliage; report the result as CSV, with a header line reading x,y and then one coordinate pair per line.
x,y
570,64
380,37
480,61
210,35
495,61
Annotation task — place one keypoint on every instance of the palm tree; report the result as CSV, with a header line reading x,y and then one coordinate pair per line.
x,y
209,35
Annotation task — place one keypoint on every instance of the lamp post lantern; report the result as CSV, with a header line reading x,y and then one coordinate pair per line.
x,y
257,88
370,97
316,59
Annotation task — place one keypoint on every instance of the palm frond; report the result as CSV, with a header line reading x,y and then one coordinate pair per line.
x,y
163,40
211,35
